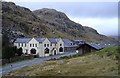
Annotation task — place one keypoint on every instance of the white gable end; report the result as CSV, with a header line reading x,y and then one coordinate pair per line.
x,y
33,40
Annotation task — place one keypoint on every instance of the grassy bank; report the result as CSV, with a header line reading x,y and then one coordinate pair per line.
x,y
101,63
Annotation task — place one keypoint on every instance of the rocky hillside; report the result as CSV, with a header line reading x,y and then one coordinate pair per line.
x,y
19,21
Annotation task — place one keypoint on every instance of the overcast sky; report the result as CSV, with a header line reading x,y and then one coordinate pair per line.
x,y
102,16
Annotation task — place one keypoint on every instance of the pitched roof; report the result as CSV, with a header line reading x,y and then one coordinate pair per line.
x,y
26,40
22,40
40,39
79,42
53,40
67,43
94,45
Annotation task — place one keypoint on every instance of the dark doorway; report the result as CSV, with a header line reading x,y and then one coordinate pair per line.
x,y
46,51
55,52
33,51
60,49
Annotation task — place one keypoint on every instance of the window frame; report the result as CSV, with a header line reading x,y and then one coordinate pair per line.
x,y
35,45
22,45
30,45
51,44
18,44
55,44
25,44
60,44
44,45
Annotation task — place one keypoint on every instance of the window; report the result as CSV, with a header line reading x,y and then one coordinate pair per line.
x,y
51,44
22,44
30,45
71,43
60,44
19,44
36,45
33,45
55,44
47,45
25,44
44,45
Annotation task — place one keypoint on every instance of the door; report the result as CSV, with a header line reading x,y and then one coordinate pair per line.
x,y
55,52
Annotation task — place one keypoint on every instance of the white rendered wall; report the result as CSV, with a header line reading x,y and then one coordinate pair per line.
x,y
46,41
60,42
33,41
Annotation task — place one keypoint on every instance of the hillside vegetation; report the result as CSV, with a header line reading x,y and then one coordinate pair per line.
x,y
19,21
100,63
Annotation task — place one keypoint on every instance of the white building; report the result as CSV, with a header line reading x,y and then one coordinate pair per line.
x,y
40,46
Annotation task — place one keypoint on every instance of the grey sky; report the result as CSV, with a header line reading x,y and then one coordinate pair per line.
x,y
102,16
82,9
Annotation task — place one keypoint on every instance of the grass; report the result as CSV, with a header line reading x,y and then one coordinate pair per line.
x,y
112,52
92,64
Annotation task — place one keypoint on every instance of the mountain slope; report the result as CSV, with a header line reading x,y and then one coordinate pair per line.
x,y
61,22
19,21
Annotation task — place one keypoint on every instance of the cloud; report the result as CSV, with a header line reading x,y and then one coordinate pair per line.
x,y
78,9
102,25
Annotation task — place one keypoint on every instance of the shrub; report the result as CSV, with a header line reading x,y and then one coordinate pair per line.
x,y
19,52
8,52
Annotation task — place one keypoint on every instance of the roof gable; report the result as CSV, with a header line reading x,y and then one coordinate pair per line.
x,y
33,40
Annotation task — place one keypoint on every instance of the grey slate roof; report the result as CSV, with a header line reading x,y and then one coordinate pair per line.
x,y
67,43
22,40
40,39
94,45
25,40
53,40
79,42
